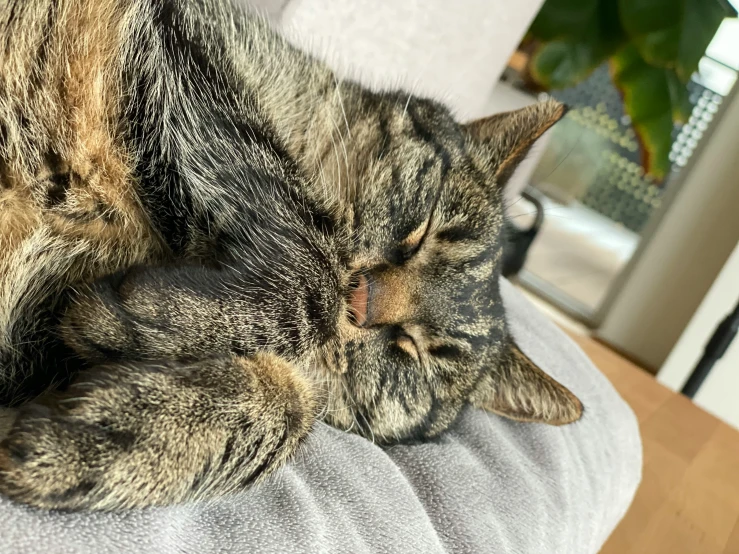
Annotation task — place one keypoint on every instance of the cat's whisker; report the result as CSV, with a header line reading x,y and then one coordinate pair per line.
x,y
516,201
341,105
347,172
564,158
70,400
549,214
368,428
407,102
338,161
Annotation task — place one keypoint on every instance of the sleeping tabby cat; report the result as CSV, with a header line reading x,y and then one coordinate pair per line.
x,y
218,242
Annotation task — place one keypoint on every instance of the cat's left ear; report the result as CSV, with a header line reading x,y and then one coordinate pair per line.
x,y
517,389
500,142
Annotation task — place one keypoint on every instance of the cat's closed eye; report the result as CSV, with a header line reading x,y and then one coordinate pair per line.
x,y
411,244
405,342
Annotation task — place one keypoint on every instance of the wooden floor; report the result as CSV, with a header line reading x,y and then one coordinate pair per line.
x,y
688,502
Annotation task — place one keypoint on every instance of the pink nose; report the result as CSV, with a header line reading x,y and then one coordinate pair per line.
x,y
359,299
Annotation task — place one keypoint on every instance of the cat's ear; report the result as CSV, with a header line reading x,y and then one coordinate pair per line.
x,y
501,141
518,389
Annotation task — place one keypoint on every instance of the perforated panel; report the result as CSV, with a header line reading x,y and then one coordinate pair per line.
x,y
620,190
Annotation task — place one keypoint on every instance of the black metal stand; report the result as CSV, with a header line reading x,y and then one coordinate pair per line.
x,y
518,241
715,348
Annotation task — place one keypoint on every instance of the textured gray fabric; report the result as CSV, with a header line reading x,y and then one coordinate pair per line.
x,y
488,485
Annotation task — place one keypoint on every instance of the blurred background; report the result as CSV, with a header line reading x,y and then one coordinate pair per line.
x,y
638,185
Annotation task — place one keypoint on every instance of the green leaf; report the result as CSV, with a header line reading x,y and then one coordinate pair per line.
x,y
648,101
656,46
589,32
679,97
560,19
673,33
560,64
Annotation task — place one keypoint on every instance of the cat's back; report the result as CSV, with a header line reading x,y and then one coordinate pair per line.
x,y
66,176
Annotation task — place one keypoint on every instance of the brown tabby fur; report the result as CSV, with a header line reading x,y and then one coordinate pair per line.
x,y
186,206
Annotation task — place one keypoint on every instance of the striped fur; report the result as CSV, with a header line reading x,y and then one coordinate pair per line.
x,y
188,204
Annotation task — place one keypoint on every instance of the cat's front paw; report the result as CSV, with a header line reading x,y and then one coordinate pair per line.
x,y
118,438
96,323
143,313
123,316
135,435
47,462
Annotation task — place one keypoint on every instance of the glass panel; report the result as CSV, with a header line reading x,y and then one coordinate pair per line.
x,y
596,197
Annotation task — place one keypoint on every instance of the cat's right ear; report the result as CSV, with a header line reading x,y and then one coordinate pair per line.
x,y
518,389
501,141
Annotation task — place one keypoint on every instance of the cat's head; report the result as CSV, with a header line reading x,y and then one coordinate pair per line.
x,y
429,331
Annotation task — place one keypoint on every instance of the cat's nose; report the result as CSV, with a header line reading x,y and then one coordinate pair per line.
x,y
380,299
358,299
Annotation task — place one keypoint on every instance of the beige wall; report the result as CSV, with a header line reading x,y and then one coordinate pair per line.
x,y
692,241
452,51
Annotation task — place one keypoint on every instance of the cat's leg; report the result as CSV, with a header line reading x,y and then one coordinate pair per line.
x,y
142,434
192,312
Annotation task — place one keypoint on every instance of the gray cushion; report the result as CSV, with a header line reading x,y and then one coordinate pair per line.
x,y
488,485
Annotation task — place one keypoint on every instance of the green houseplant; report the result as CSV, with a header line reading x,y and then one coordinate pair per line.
x,y
653,47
